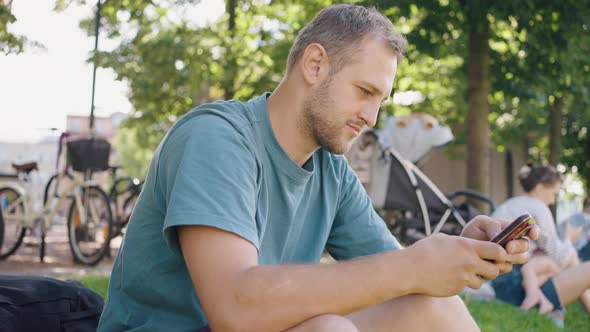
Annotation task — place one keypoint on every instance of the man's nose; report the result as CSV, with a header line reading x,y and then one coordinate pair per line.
x,y
369,115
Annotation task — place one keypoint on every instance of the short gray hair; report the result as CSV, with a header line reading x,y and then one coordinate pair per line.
x,y
341,29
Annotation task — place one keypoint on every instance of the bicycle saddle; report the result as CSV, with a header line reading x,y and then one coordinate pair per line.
x,y
25,167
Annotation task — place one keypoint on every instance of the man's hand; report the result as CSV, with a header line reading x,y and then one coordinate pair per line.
x,y
444,265
485,228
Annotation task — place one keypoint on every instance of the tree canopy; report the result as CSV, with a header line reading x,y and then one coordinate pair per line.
x,y
515,71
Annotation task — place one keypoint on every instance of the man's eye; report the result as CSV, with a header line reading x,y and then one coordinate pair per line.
x,y
365,91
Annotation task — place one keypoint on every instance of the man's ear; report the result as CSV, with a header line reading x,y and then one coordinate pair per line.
x,y
315,64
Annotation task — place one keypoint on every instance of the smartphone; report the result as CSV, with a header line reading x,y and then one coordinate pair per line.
x,y
517,229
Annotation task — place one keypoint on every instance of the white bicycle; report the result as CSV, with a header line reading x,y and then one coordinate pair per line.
x,y
89,220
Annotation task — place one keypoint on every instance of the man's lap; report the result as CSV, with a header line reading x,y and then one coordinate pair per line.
x,y
406,313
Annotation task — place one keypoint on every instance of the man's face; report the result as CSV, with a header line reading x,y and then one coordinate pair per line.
x,y
339,108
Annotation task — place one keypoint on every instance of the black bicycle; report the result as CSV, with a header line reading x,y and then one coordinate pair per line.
x,y
123,195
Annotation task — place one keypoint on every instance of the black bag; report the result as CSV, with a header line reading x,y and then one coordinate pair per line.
x,y
31,303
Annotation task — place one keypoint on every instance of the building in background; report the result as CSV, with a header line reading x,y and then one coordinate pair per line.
x,y
44,152
105,127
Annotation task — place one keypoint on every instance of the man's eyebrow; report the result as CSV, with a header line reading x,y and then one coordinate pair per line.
x,y
376,90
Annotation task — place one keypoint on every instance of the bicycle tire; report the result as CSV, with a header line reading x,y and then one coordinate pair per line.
x,y
77,232
1,228
19,230
128,207
42,249
48,185
115,188
46,193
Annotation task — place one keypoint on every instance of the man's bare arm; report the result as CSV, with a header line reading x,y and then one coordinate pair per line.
x,y
238,294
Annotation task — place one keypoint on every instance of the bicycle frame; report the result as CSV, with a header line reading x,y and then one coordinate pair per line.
x,y
50,208
86,215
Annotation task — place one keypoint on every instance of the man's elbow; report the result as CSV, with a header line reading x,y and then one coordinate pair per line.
x,y
241,308
239,312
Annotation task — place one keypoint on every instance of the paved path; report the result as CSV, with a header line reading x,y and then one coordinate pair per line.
x,y
58,257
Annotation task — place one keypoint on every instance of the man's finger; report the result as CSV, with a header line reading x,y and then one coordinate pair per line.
x,y
491,251
504,267
474,282
521,258
488,270
492,228
517,246
534,233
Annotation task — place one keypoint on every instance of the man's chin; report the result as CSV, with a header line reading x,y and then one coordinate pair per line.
x,y
338,150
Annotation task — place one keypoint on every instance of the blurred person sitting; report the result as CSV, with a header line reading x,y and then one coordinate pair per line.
x,y
553,277
576,228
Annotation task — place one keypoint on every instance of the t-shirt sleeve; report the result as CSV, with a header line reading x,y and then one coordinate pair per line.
x,y
207,173
357,229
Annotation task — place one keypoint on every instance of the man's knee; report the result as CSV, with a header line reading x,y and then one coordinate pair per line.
x,y
326,323
450,312
445,313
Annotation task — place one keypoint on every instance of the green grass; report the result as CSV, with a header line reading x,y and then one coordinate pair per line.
x,y
98,284
491,316
496,316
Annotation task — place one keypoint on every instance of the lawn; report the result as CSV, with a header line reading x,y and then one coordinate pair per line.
x,y
491,316
496,317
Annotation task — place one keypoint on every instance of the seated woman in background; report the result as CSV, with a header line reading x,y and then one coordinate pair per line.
x,y
554,276
577,229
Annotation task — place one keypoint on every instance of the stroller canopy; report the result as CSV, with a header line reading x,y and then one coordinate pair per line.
x,y
413,136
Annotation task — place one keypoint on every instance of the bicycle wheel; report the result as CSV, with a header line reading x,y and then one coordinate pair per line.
x,y
90,240
1,228
14,232
128,207
49,190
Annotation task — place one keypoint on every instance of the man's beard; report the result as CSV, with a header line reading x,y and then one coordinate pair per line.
x,y
315,120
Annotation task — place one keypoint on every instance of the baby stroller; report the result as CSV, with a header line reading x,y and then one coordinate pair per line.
x,y
411,204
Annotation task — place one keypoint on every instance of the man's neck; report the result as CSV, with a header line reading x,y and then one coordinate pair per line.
x,y
285,106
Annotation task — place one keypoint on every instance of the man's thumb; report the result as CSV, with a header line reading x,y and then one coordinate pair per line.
x,y
493,229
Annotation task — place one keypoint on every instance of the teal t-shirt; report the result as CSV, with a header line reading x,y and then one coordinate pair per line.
x,y
221,166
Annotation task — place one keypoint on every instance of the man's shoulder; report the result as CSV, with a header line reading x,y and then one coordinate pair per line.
x,y
216,118
235,112
213,123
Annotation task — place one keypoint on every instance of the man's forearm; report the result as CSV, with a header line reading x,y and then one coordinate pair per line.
x,y
280,296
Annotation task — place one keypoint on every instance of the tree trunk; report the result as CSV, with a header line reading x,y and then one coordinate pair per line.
x,y
526,145
509,168
231,64
479,86
556,110
586,173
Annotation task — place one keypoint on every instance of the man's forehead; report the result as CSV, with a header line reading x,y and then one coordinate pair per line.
x,y
376,75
